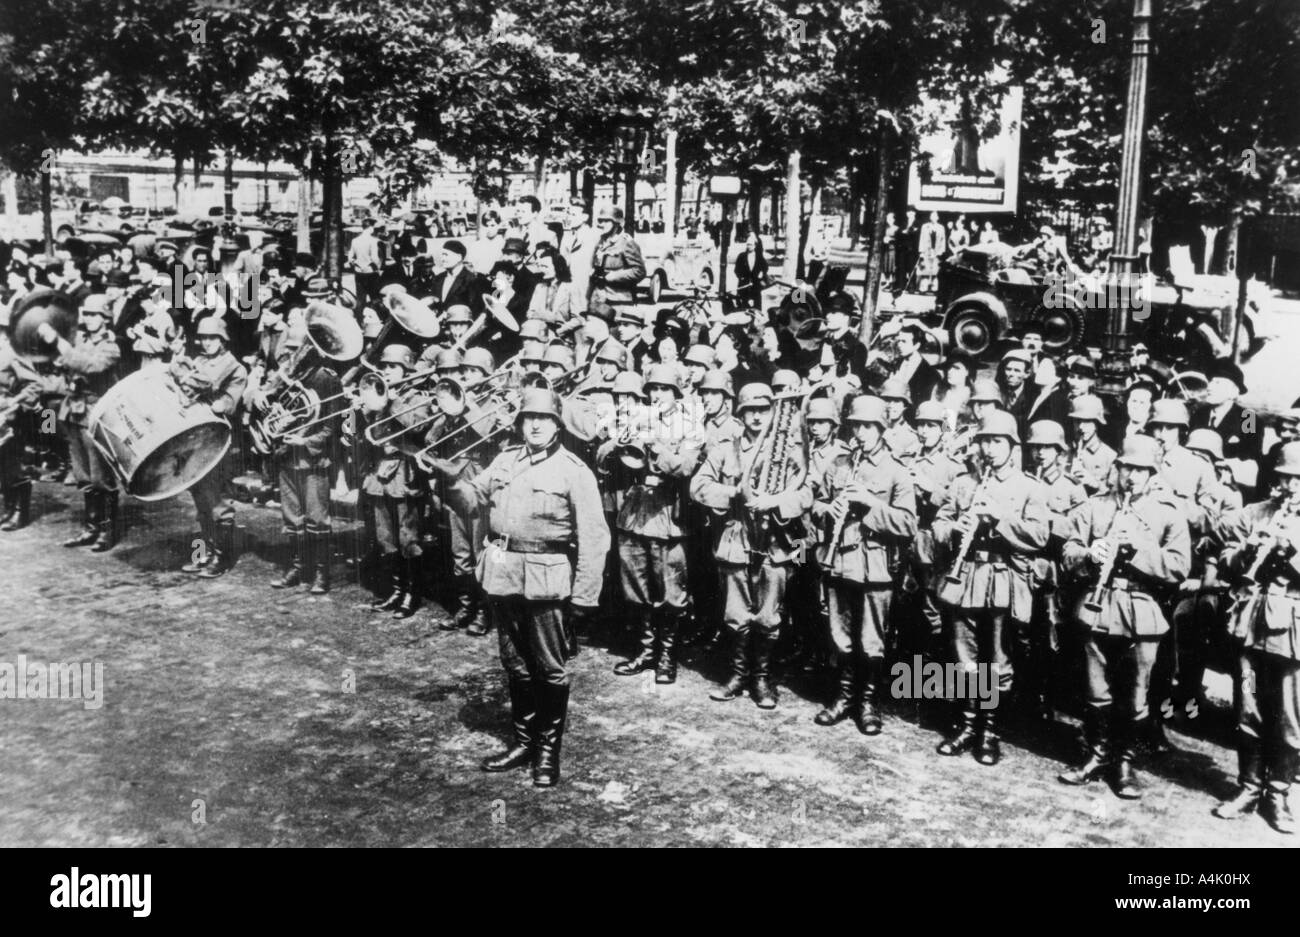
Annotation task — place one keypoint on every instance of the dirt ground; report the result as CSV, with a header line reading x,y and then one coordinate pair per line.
x,y
235,715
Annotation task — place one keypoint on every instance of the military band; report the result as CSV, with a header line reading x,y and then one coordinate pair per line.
x,y
678,480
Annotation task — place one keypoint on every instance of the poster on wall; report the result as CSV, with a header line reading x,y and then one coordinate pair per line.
x,y
960,170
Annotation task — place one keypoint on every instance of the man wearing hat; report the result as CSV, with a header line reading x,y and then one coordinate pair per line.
x,y
88,367
1139,536
1047,452
1090,459
1080,376
542,566
757,539
1265,629
293,292
999,516
1013,380
866,501
933,470
394,484
617,265
698,361
651,535
212,376
1190,477
456,284
899,436
303,461
1242,438
21,391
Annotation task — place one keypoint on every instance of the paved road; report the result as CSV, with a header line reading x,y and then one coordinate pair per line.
x,y
309,721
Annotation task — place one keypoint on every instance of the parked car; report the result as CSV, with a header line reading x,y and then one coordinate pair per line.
x,y
680,265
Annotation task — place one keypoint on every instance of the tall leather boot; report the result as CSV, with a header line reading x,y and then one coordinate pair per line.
x,y
108,522
670,623
1273,807
320,556
394,568
645,660
1126,733
988,749
10,508
223,553
764,646
1250,777
90,521
867,716
548,733
294,575
478,623
523,711
22,515
839,708
200,561
411,597
1096,729
963,737
734,688
464,606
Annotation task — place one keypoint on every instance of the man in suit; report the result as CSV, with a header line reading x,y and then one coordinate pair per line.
x,y
578,248
366,264
911,365
1242,439
457,284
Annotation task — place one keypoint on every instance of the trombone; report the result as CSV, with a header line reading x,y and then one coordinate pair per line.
x,y
450,395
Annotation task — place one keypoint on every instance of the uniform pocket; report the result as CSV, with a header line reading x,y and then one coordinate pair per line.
x,y
547,576
551,501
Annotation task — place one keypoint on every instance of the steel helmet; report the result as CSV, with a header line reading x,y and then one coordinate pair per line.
x,y
448,360
999,423
822,408
1047,433
784,379
868,409
1141,452
662,375
930,411
1170,412
539,401
1288,459
986,391
458,313
719,381
754,396
1207,441
614,352
628,382
557,353
1088,407
397,354
479,358
535,329
212,325
895,389
702,355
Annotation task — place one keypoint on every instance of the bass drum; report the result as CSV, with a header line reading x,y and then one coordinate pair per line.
x,y
157,444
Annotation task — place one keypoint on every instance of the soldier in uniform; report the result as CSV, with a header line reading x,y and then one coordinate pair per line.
x,y
216,378
899,435
89,368
651,538
755,544
716,396
1038,643
303,460
395,487
1001,518
865,502
540,568
1090,458
617,266
22,389
1137,536
933,471
1261,539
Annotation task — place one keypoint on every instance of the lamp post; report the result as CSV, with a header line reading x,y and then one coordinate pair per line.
x,y
627,133
1116,342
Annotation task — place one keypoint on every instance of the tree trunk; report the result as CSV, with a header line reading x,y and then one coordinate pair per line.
x,y
755,204
774,210
304,211
539,181
589,192
629,198
230,184
573,182
876,249
9,191
672,185
791,261
332,219
47,212
1230,244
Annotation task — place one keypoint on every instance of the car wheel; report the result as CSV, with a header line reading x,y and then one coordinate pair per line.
x,y
1062,327
656,286
973,330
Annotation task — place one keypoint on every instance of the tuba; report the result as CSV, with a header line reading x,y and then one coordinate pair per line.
x,y
37,308
332,333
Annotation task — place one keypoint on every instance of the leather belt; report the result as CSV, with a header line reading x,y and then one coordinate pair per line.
x,y
1124,584
987,556
524,545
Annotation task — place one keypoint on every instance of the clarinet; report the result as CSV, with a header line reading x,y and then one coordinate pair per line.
x,y
1106,576
838,530
953,582
1264,552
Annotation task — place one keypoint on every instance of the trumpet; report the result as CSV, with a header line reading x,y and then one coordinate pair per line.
x,y
1277,528
451,397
